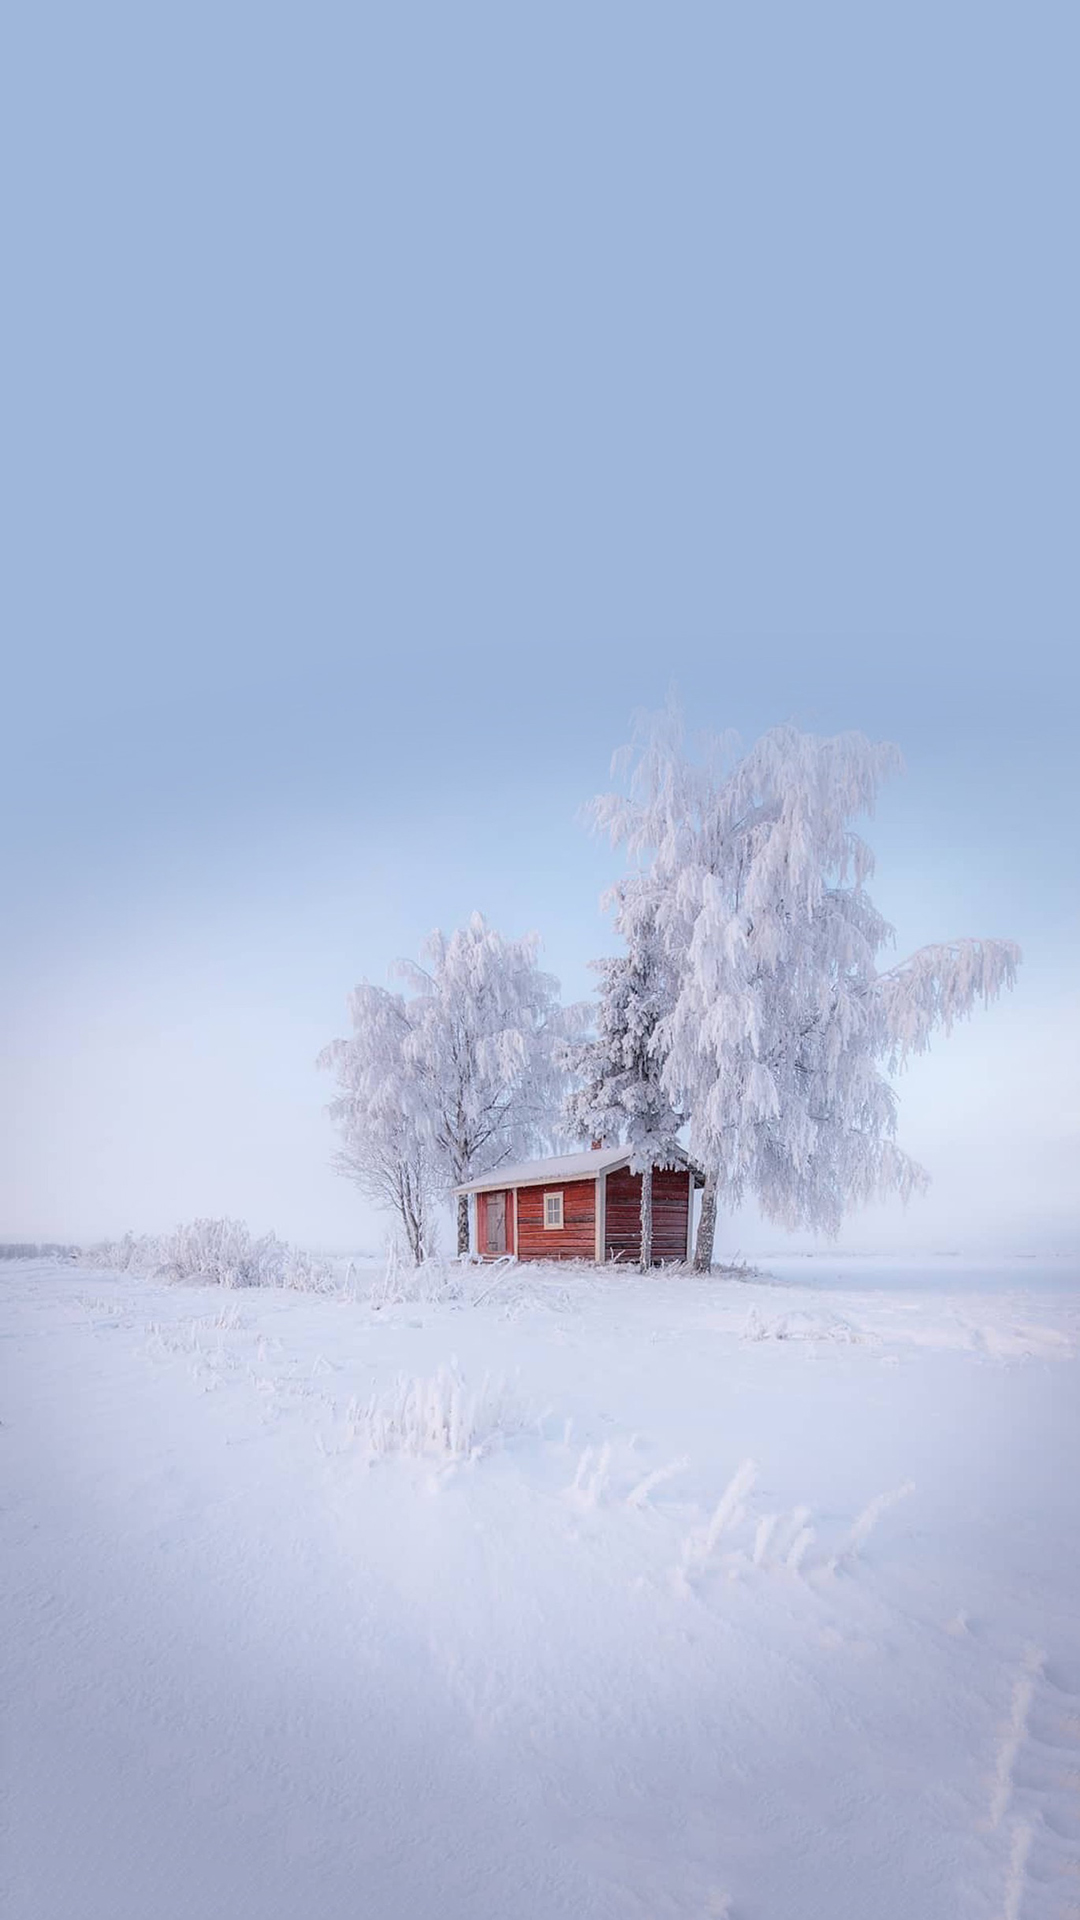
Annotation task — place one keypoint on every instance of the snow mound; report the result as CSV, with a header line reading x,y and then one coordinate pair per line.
x,y
800,1326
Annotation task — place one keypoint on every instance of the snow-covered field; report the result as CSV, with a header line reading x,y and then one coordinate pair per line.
x,y
748,1598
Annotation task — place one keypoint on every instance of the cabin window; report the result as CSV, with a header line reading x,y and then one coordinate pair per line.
x,y
553,1210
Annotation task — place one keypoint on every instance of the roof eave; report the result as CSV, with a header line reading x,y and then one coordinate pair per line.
x,y
495,1181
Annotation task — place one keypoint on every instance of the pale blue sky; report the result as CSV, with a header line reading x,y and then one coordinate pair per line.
x,y
395,399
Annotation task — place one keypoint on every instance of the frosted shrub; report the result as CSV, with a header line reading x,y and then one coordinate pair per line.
x,y
437,1417
303,1273
400,1283
220,1253
223,1253
134,1253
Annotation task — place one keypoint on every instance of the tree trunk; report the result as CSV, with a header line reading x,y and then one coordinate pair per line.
x,y
645,1262
706,1232
415,1231
412,1218
463,1223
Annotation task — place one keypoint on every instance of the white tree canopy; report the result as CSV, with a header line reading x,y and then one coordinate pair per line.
x,y
484,1047
782,1028
469,1059
384,1149
621,1097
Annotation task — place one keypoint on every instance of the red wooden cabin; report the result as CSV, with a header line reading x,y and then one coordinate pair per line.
x,y
582,1206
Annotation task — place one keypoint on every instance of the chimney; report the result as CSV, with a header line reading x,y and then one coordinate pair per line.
x,y
596,1145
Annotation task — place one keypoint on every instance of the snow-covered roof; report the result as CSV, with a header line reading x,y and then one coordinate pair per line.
x,y
539,1173
543,1173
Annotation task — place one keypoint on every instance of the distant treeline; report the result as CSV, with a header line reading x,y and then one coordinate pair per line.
x,y
32,1250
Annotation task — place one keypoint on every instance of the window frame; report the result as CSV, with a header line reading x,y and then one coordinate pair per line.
x,y
554,1226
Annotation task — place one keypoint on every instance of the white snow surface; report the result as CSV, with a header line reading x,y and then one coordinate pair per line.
x,y
603,1597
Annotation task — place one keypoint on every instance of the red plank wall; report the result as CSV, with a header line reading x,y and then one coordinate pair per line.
x,y
671,1199
575,1240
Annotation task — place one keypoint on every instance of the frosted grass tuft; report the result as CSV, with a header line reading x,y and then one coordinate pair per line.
x,y
438,1417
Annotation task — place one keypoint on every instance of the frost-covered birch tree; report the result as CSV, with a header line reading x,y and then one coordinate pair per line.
x,y
783,1030
485,1047
458,1075
621,1097
384,1149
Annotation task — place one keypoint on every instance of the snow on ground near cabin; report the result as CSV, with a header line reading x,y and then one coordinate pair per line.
x,y
605,1668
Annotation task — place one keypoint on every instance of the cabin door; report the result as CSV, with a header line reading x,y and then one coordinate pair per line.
x,y
496,1223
